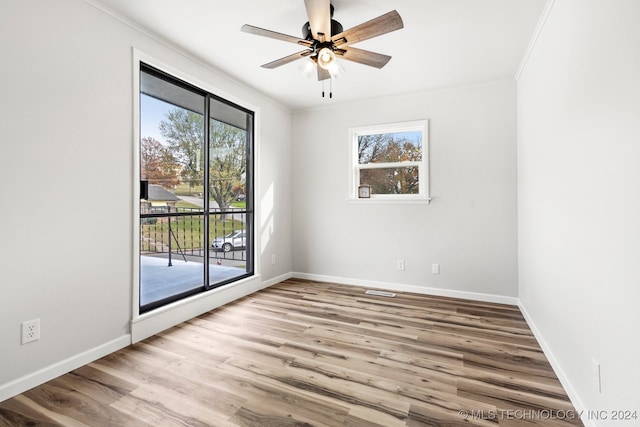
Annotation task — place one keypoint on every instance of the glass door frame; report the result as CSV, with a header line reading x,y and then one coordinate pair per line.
x,y
249,211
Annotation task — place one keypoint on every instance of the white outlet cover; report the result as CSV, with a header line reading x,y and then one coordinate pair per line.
x,y
30,331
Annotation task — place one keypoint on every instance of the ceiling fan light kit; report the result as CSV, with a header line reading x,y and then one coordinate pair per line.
x,y
321,50
326,57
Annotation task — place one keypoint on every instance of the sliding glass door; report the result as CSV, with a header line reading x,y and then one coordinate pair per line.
x,y
196,175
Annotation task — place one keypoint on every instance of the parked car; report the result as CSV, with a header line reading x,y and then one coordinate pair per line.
x,y
230,242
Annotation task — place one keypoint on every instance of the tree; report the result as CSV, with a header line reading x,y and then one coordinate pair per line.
x,y
157,164
228,162
184,132
383,148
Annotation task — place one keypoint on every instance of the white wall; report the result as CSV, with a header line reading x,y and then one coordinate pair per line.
x,y
579,197
66,217
470,226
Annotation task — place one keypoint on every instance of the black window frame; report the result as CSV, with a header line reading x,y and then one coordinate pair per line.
x,y
249,211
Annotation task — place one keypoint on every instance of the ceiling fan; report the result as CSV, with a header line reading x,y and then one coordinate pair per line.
x,y
324,39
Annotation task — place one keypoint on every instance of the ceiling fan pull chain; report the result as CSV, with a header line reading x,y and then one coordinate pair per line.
x,y
331,88
323,88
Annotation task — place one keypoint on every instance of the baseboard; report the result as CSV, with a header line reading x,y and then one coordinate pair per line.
x,y
29,381
48,373
276,280
398,287
557,368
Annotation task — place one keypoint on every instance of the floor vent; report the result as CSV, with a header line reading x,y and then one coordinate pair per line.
x,y
381,293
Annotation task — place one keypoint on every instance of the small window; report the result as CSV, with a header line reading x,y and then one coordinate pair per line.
x,y
389,162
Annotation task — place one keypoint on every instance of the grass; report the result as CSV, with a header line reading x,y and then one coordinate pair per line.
x,y
183,189
186,205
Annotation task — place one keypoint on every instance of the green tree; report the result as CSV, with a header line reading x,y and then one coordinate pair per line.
x,y
184,132
227,162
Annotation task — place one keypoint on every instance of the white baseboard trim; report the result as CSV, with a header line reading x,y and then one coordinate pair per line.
x,y
398,287
170,315
557,368
163,318
48,373
41,376
276,280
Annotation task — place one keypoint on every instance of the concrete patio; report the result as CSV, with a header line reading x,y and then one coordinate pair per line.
x,y
159,281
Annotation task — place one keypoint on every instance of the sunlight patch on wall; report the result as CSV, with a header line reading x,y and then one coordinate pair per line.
x,y
266,215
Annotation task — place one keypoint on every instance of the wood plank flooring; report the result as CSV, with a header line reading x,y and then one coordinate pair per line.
x,y
305,353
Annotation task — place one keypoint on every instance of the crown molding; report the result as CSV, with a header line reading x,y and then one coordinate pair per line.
x,y
534,38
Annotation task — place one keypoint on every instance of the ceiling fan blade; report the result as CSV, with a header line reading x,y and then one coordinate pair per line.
x,y
372,59
323,74
246,28
383,24
287,59
319,13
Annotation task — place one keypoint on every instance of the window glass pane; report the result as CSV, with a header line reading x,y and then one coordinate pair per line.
x,y
227,163
172,92
228,142
172,217
228,114
400,180
390,147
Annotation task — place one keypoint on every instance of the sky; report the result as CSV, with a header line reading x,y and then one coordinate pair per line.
x,y
152,112
413,136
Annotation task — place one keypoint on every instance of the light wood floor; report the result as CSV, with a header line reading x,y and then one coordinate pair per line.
x,y
315,354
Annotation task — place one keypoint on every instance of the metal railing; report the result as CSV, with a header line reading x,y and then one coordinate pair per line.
x,y
180,231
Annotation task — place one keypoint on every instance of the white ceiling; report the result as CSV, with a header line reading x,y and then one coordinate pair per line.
x,y
443,43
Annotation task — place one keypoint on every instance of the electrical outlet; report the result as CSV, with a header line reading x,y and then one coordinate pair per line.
x,y
435,268
30,331
596,375
273,258
400,264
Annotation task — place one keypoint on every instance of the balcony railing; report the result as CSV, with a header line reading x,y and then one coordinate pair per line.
x,y
180,232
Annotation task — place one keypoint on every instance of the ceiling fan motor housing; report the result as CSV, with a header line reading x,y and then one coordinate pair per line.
x,y
336,28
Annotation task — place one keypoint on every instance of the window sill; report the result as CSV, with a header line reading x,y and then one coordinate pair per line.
x,y
385,201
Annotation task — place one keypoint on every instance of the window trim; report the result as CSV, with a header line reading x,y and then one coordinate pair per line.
x,y
355,168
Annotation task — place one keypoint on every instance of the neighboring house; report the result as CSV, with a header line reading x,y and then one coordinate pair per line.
x,y
159,200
